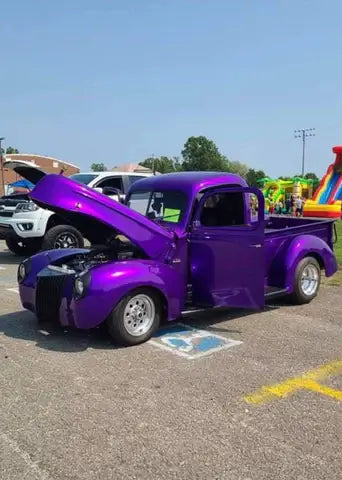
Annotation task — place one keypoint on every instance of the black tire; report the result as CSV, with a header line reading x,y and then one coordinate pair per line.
x,y
22,247
304,294
61,235
117,327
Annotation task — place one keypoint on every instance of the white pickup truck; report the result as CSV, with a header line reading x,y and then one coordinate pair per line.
x,y
30,228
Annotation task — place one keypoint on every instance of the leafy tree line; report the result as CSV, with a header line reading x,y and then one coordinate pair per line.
x,y
9,150
200,153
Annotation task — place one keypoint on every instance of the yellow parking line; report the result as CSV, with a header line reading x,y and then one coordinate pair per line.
x,y
308,381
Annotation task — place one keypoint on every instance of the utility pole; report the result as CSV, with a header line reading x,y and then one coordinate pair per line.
x,y
2,167
153,169
303,133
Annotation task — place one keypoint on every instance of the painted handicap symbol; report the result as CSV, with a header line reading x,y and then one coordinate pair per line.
x,y
187,341
193,342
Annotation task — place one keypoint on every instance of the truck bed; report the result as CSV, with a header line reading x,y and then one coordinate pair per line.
x,y
280,231
281,226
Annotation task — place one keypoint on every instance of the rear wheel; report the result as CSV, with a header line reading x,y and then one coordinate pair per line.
x,y
62,236
307,281
135,318
22,247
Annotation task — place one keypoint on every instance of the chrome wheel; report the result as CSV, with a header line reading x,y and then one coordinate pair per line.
x,y
139,315
66,240
310,280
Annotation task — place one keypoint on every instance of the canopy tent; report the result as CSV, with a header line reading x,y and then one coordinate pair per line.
x,y
22,184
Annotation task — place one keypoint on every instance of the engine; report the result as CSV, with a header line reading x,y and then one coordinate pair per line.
x,y
114,251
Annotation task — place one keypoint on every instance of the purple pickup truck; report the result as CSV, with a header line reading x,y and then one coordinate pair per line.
x,y
181,241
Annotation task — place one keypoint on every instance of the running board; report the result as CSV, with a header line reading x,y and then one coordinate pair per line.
x,y
271,292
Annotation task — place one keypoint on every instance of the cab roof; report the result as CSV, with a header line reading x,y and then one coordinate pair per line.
x,y
189,182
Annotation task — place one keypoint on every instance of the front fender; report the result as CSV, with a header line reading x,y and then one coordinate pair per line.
x,y
112,281
304,246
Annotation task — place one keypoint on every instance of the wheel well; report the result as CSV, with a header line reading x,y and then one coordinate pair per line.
x,y
317,257
55,220
163,300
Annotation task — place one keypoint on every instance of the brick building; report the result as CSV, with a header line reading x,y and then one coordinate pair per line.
x,y
48,164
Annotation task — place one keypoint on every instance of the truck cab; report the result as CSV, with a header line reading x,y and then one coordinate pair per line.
x,y
183,240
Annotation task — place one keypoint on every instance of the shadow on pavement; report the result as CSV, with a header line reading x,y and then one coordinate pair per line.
x,y
23,325
8,258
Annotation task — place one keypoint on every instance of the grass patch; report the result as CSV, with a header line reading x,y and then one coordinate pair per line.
x,y
338,245
336,280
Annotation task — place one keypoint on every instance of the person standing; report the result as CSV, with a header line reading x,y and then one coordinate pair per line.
x,y
280,207
293,205
299,206
288,205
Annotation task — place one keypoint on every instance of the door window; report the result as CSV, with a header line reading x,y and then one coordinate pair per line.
x,y
224,210
113,182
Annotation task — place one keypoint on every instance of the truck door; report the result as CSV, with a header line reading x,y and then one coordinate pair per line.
x,y
227,249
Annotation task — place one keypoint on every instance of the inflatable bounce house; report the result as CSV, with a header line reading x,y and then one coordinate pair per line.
x,y
279,190
327,200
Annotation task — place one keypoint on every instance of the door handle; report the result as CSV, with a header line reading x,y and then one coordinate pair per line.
x,y
257,245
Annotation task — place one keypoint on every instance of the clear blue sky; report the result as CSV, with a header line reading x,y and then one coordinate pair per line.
x,y
114,81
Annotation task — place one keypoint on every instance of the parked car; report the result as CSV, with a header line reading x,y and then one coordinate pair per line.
x,y
8,203
30,228
192,244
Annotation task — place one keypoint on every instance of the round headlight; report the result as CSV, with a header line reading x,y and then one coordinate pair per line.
x,y
79,286
21,272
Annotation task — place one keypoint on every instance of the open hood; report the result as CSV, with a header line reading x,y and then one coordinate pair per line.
x,y
26,170
99,217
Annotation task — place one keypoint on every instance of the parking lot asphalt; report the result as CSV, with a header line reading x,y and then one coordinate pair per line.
x,y
73,406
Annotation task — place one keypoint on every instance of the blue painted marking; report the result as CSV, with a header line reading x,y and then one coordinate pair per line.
x,y
190,342
207,343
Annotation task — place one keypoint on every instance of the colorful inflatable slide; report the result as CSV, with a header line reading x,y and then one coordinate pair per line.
x,y
327,200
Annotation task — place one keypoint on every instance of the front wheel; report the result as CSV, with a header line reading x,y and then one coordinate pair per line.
x,y
307,281
135,318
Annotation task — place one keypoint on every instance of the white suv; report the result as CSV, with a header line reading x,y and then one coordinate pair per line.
x,y
31,228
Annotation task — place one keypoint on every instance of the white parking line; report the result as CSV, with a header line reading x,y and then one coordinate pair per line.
x,y
13,290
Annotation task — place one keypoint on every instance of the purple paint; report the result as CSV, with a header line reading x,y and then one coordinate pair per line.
x,y
219,266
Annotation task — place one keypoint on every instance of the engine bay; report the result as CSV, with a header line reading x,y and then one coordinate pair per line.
x,y
115,250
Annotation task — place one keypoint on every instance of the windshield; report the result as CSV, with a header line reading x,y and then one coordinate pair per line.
x,y
166,206
84,178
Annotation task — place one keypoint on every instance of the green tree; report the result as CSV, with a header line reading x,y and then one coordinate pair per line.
x,y
98,167
253,177
9,150
311,176
237,167
161,164
200,153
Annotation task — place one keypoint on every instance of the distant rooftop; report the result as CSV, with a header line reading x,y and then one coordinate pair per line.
x,y
35,157
132,167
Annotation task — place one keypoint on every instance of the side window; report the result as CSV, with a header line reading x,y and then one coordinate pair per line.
x,y
134,178
223,210
114,182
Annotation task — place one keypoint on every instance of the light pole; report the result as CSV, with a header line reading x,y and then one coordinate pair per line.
x,y
2,167
303,133
153,169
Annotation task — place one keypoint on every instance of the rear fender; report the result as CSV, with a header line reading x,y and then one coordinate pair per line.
x,y
112,281
306,246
